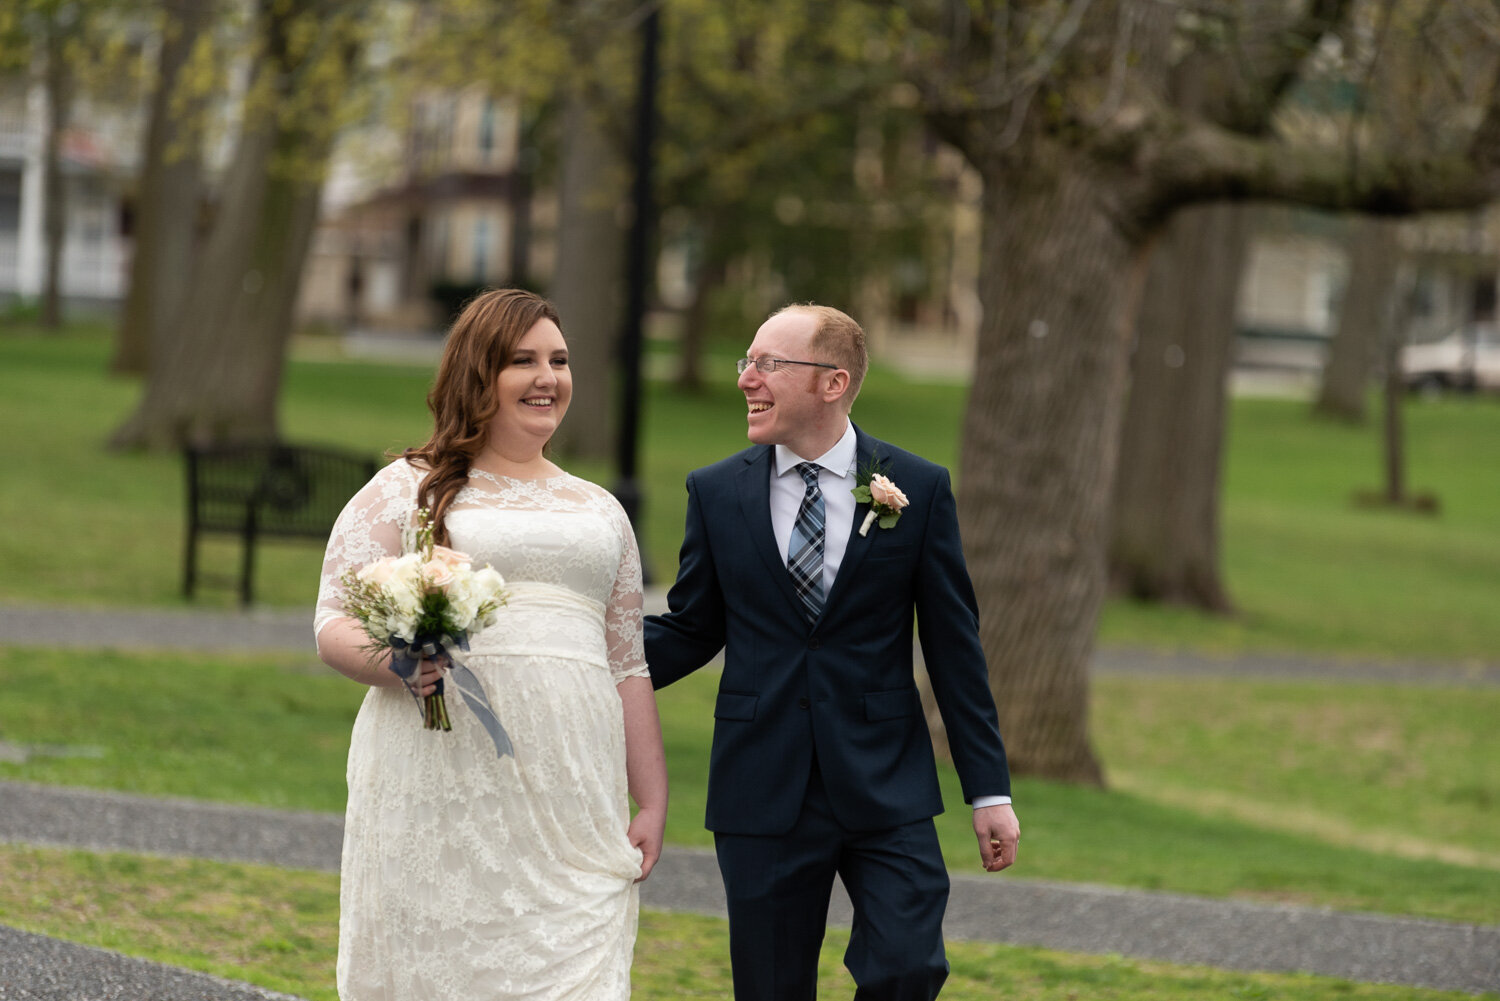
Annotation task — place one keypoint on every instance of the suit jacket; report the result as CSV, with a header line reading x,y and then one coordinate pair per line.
x,y
841,688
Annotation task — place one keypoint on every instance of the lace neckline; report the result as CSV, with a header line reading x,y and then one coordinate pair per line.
x,y
499,479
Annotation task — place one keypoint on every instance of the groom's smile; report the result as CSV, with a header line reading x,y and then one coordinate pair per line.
x,y
784,406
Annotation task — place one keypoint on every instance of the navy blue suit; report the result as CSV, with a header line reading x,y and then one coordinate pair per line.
x,y
819,735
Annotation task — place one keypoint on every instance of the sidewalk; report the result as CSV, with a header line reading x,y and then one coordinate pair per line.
x,y
1075,918
279,629
1078,918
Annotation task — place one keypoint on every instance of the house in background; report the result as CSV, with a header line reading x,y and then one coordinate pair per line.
x,y
99,156
408,224
1298,268
412,224
413,221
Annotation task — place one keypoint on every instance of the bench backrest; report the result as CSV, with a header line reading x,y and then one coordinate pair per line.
x,y
288,490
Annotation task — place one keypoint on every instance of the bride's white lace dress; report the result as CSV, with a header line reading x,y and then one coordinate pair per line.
x,y
470,877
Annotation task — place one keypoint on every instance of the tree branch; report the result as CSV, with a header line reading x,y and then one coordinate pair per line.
x,y
1210,163
1279,55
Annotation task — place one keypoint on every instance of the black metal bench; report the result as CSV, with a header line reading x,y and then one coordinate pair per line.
x,y
265,490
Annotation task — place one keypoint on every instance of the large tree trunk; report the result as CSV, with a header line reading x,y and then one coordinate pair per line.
x,y
522,193
222,378
712,272
1038,449
59,85
1363,318
586,285
1392,313
167,201
1165,534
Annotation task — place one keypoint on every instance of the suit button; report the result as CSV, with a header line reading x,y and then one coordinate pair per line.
x,y
802,703
814,644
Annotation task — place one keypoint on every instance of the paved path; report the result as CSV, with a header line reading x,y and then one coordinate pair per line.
x,y
1070,917
1079,918
278,629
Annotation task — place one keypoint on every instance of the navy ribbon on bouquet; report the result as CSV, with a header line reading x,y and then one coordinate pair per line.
x,y
406,661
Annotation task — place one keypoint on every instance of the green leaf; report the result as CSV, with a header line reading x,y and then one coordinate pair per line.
x,y
862,494
889,520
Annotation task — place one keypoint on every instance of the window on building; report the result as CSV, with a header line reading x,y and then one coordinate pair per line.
x,y
481,249
10,201
487,128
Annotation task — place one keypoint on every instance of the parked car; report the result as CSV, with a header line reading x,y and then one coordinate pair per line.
x,y
1467,358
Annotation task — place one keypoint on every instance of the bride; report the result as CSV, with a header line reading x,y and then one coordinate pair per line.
x,y
467,876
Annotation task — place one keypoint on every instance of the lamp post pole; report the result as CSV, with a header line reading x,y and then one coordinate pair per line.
x,y
637,277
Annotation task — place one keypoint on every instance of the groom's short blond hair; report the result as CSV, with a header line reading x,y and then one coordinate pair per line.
x,y
837,339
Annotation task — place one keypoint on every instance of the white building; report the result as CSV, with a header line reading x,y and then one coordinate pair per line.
x,y
98,159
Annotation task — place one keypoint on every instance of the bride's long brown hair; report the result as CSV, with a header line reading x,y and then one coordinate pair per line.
x,y
462,399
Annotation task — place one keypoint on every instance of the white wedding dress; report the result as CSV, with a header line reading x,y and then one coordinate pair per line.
x,y
468,877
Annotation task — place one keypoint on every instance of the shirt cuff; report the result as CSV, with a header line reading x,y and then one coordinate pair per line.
x,y
980,802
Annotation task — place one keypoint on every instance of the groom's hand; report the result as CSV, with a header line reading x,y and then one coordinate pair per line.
x,y
999,834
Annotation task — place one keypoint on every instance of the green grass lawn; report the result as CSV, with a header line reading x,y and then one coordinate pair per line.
x,y
1383,802
1308,570
279,929
1368,797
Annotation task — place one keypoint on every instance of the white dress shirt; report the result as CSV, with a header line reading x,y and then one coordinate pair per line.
x,y
836,478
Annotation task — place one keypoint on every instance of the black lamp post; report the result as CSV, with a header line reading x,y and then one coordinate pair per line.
x,y
637,278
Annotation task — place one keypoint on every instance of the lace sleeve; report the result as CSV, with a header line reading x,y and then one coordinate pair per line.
x,y
374,524
625,616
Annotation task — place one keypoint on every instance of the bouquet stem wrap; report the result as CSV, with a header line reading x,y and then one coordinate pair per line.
x,y
406,660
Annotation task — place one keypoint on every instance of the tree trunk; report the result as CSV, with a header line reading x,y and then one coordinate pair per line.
x,y
586,285
221,380
1165,534
522,194
711,275
1363,317
167,202
1393,312
1394,438
1038,450
59,82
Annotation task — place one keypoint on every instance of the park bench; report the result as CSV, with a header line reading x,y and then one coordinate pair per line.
x,y
259,491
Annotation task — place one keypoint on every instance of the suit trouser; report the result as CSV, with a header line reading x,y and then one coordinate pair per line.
x,y
778,889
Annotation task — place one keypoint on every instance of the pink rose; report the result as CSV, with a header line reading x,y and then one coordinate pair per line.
x,y
886,493
378,573
453,558
438,573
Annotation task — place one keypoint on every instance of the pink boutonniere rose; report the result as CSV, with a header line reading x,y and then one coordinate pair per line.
x,y
885,499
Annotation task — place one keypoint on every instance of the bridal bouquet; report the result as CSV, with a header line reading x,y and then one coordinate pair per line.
x,y
426,604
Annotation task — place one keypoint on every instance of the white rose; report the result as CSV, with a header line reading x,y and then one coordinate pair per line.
x,y
406,570
465,601
488,582
403,625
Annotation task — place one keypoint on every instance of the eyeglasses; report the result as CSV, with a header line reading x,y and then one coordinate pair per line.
x,y
768,364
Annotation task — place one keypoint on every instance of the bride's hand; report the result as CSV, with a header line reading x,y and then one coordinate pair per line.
x,y
646,833
426,681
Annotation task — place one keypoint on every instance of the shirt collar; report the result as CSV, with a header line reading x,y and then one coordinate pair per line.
x,y
838,460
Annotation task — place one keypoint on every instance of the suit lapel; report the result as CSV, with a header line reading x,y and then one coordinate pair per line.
x,y
858,545
755,503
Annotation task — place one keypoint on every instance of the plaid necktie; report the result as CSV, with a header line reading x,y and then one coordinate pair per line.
x,y
804,557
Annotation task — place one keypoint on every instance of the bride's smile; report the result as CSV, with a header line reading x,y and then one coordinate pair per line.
x,y
532,391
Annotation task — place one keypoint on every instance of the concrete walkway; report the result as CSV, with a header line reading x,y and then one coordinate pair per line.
x,y
1070,917
279,629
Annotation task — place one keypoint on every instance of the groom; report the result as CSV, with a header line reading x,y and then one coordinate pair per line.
x,y
822,762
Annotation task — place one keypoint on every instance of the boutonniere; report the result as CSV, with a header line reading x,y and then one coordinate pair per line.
x,y
885,498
